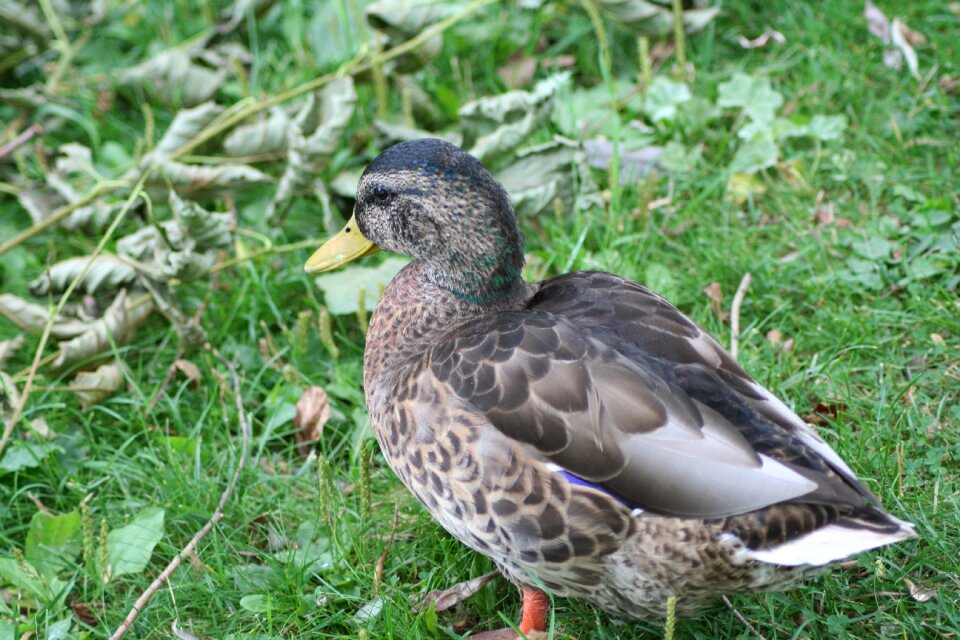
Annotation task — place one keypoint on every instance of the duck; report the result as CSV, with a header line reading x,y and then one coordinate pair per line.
x,y
581,432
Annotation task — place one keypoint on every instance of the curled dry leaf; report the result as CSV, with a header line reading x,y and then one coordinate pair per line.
x,y
205,181
919,593
445,598
400,20
315,135
186,125
313,411
93,387
267,136
117,326
9,398
762,40
496,125
190,370
823,412
174,78
8,348
715,294
32,317
105,271
652,19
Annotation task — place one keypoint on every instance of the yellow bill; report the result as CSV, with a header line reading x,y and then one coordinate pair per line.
x,y
346,246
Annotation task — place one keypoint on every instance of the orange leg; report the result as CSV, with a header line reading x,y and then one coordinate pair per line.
x,y
533,614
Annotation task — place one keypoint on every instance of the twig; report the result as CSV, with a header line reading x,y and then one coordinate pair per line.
x,y
214,519
743,620
25,136
735,315
48,327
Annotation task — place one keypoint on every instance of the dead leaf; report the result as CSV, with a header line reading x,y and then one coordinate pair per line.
x,y
188,369
518,71
8,348
824,412
117,326
104,272
763,39
903,46
267,136
313,411
87,612
937,339
715,294
180,632
877,22
175,79
445,598
93,387
32,317
918,593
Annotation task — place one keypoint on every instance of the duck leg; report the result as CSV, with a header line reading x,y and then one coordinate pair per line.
x,y
533,618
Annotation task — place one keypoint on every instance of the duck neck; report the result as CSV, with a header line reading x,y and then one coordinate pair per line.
x,y
417,308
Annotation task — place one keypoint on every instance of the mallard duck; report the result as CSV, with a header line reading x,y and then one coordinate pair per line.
x,y
581,431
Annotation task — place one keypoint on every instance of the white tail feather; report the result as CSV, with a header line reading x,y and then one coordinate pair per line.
x,y
829,544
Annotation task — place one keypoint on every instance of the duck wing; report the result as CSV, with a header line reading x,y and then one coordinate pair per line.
x,y
624,418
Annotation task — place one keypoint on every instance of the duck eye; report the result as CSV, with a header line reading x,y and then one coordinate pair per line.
x,y
381,194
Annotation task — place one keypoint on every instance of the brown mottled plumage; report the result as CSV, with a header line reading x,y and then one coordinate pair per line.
x,y
581,431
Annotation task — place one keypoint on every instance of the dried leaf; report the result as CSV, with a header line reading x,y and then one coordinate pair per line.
x,y
652,19
9,399
918,593
401,20
443,599
106,271
518,71
208,231
877,23
633,164
315,135
8,348
174,78
236,15
715,294
898,40
823,412
267,136
93,387
313,411
496,125
543,173
185,126
117,326
190,370
762,40
205,181
32,317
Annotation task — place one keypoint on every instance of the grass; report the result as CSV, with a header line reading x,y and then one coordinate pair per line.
x,y
296,554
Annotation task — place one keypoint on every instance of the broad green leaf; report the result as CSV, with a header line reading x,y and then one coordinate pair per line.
x,y
678,159
129,548
341,288
754,95
662,98
48,591
52,539
827,127
25,455
755,155
59,630
257,603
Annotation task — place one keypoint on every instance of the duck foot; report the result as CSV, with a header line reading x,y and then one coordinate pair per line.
x,y
533,619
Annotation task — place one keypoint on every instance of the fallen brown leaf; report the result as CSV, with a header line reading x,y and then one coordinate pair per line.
x,y
824,411
918,593
763,39
87,612
715,294
8,348
445,598
190,370
518,71
93,387
313,411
